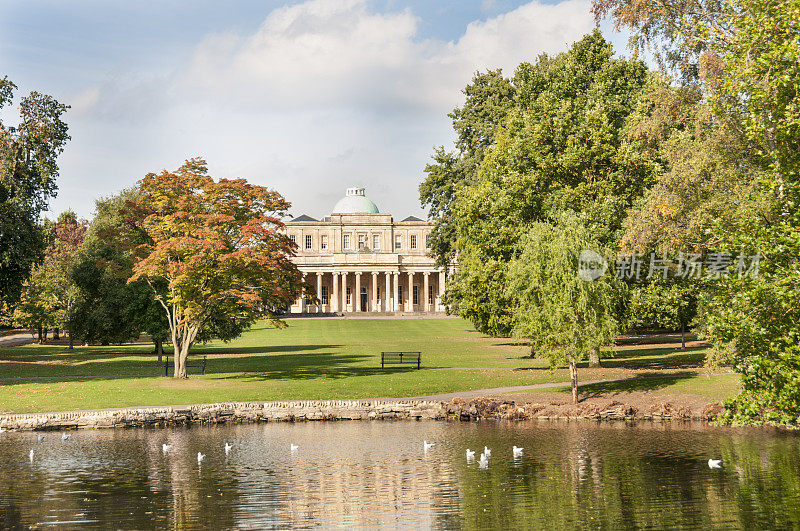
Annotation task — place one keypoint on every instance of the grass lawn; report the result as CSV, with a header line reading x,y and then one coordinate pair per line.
x,y
311,359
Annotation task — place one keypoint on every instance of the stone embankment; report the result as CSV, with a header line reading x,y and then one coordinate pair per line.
x,y
291,411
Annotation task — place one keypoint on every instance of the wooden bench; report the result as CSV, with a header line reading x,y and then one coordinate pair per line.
x,y
400,358
197,365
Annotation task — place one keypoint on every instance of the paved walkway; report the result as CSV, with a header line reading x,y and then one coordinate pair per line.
x,y
519,388
17,339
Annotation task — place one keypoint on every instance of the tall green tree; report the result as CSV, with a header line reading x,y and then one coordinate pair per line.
x,y
561,147
109,308
50,295
28,172
488,98
568,317
747,55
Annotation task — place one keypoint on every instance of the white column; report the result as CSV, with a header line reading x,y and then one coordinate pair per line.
x,y
410,299
374,291
386,297
441,289
425,293
319,292
303,295
357,301
344,292
334,292
396,302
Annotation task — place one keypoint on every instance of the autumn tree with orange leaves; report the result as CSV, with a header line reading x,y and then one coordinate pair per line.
x,y
218,246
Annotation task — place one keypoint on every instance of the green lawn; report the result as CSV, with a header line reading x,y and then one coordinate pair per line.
x,y
311,359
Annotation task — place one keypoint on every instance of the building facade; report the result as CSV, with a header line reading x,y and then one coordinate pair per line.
x,y
361,260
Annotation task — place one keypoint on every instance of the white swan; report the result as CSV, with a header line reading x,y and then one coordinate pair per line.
x,y
715,463
483,462
200,457
517,451
65,436
228,448
427,446
30,455
166,447
293,447
487,452
470,454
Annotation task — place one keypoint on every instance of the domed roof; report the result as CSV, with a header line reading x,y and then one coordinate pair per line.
x,y
355,202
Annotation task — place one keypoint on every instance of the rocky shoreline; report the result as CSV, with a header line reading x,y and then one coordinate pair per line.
x,y
310,410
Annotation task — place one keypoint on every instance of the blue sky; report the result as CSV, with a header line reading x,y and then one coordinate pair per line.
x,y
308,98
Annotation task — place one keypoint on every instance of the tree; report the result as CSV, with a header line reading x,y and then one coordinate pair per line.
x,y
559,312
750,76
110,309
49,295
219,248
28,172
561,147
489,97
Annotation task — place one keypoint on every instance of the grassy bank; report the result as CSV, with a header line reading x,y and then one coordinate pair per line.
x,y
313,359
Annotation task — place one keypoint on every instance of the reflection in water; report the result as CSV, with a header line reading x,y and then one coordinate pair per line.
x,y
376,475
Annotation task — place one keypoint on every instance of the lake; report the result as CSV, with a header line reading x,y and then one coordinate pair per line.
x,y
361,474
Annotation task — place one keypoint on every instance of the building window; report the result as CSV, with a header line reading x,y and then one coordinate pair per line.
x,y
427,241
324,294
323,244
293,238
400,294
430,294
415,295
347,291
346,242
376,242
378,293
362,242
413,241
398,242
308,241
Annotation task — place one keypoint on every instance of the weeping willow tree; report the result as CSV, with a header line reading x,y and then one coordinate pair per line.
x,y
564,295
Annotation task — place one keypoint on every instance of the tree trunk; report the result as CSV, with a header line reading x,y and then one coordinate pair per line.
x,y
56,334
41,337
533,352
71,342
594,357
181,352
159,349
573,380
683,336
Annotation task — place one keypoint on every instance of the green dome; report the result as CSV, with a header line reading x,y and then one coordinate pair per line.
x,y
355,202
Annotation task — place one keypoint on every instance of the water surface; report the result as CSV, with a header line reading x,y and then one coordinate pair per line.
x,y
376,475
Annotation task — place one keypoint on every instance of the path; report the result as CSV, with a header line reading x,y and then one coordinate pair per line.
x,y
17,340
516,388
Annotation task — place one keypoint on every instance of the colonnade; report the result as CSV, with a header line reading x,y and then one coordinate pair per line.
x,y
373,291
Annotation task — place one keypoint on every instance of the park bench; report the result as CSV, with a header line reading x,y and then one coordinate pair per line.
x,y
400,358
197,365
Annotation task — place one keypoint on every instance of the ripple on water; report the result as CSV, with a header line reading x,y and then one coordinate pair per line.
x,y
376,475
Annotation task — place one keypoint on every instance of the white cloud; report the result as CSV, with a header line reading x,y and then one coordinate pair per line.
x,y
324,95
339,52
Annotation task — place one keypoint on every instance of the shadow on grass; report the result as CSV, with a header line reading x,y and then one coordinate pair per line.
x,y
99,370
655,358
314,374
649,381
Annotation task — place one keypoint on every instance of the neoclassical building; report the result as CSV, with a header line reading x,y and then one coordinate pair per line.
x,y
361,260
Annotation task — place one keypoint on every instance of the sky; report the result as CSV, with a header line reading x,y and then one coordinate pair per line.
x,y
308,98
